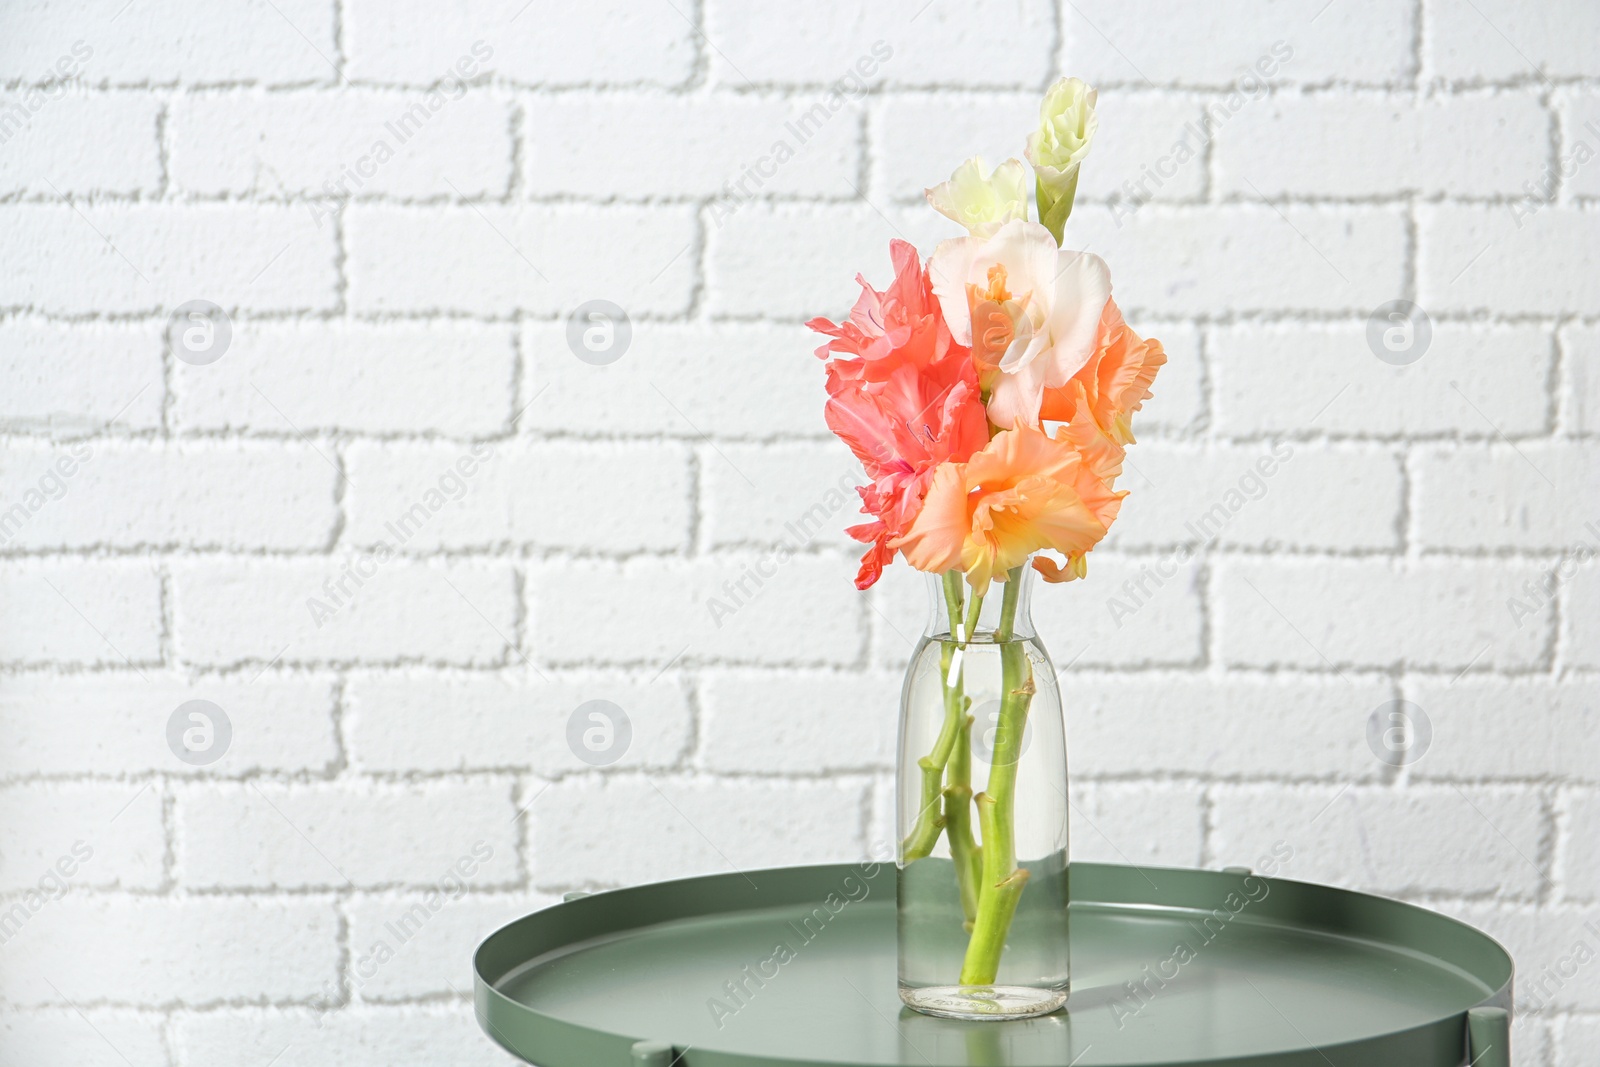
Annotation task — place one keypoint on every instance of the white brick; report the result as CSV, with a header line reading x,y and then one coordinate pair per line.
x,y
143,257
1161,626
70,380
393,377
1580,616
1472,381
628,832
257,612
1263,495
1534,495
1581,372
679,380
1579,1037
1447,615
797,495
640,145
1530,1041
96,1038
1177,399
1192,724
883,836
194,950
520,494
1237,44
1580,125
1136,132
1554,731
1544,943
87,494
352,143
85,613
799,722
608,42
1160,825
334,836
1246,257
899,43
1439,840
416,944
81,834
899,608
495,260
800,611
116,724
1467,41
282,42
1579,861
1488,259
1381,146
58,143
401,723
822,250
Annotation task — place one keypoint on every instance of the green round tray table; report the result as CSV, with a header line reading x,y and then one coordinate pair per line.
x,y
1169,967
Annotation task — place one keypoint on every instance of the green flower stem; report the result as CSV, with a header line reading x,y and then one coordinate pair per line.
x,y
1055,207
964,848
973,609
924,835
1002,882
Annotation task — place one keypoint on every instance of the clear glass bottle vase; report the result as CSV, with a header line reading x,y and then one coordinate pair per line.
x,y
982,809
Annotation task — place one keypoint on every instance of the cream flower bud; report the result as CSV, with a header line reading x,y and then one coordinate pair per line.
x,y
1066,127
1067,123
983,202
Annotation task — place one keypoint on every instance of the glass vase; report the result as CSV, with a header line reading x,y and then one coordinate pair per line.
x,y
982,810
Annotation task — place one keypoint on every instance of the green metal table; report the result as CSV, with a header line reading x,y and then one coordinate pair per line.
x,y
1170,968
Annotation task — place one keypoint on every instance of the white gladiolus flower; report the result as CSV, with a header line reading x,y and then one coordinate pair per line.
x,y
983,202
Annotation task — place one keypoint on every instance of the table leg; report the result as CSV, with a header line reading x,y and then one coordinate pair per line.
x,y
1489,1037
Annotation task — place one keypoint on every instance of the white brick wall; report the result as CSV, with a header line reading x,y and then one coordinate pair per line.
x,y
399,350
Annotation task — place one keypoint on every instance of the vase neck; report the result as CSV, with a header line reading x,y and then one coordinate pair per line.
x,y
1001,613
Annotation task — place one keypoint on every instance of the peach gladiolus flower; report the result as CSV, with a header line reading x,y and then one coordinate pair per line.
x,y
1029,310
1023,492
1113,384
903,396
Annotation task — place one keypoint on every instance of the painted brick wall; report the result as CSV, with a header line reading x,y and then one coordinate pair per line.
x,y
398,204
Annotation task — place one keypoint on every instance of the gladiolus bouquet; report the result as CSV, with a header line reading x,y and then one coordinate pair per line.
x,y
987,393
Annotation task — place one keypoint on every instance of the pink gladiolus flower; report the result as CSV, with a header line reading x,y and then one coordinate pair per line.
x,y
904,396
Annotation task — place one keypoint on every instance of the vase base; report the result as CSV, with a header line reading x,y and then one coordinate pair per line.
x,y
983,1002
